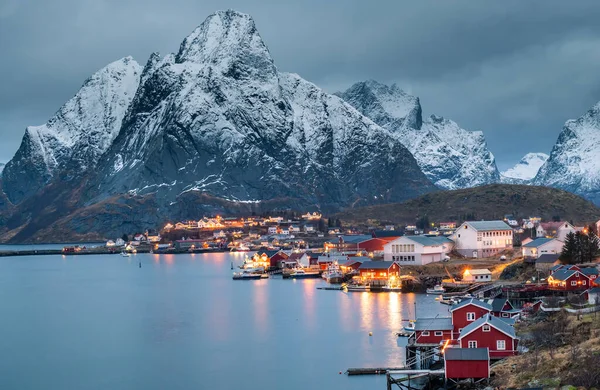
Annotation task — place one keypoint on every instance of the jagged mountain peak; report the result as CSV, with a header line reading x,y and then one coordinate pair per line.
x,y
573,164
228,40
78,134
451,157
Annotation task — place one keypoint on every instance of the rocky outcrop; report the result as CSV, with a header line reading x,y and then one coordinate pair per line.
x,y
574,163
450,156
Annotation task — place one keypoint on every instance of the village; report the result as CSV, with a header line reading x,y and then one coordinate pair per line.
x,y
492,275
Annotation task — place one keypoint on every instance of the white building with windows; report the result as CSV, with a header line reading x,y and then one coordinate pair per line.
x,y
417,250
541,246
482,238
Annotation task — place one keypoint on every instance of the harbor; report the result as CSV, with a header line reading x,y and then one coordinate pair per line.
x,y
159,310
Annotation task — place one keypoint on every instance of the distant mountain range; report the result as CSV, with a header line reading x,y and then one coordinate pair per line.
x,y
215,127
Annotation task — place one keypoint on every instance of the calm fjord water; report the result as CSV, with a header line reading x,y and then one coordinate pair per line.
x,y
181,322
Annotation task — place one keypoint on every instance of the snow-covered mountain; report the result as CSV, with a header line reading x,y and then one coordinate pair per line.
x,y
215,118
450,156
574,163
77,135
525,169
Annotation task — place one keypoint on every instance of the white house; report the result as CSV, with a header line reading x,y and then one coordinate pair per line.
x,y
513,222
541,246
272,230
309,228
294,228
417,250
477,275
563,230
482,238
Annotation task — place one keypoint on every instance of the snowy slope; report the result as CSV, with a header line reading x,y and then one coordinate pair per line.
x,y
218,117
78,134
574,163
450,156
526,168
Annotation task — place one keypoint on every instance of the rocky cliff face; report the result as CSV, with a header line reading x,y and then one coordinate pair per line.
x,y
574,163
216,118
450,156
525,169
73,140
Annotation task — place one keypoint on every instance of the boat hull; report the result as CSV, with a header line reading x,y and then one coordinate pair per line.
x,y
305,276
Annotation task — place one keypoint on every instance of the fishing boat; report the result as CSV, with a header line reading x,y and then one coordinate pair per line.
x,y
300,273
411,326
358,287
248,275
333,274
125,254
437,289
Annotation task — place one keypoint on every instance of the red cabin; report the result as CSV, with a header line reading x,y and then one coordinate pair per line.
x,y
432,330
468,311
492,333
466,363
568,280
503,308
379,270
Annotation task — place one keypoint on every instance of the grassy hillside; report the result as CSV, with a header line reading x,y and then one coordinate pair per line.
x,y
485,202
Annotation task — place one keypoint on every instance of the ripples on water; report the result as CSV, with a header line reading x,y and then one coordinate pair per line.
x,y
181,322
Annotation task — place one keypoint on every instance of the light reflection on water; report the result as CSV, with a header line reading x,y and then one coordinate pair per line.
x,y
180,321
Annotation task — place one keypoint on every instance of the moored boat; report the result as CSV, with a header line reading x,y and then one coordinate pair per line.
x,y
249,275
437,289
333,274
358,287
125,254
302,274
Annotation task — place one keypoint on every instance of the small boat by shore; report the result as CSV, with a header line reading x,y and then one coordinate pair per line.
x,y
249,275
358,287
333,274
302,274
437,289
392,288
125,254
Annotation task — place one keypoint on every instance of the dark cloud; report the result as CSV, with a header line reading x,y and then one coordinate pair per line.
x,y
516,70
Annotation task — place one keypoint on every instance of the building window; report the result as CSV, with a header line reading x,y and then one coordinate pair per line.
x,y
573,283
583,282
486,328
425,333
472,344
470,316
500,345
439,333
505,315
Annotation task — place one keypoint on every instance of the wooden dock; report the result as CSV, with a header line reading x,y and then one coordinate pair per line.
x,y
371,370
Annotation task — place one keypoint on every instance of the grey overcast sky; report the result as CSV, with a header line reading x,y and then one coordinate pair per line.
x,y
514,69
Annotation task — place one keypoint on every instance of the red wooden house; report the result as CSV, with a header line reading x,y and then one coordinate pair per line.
x,y
433,331
379,272
568,280
492,333
501,307
465,363
468,311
